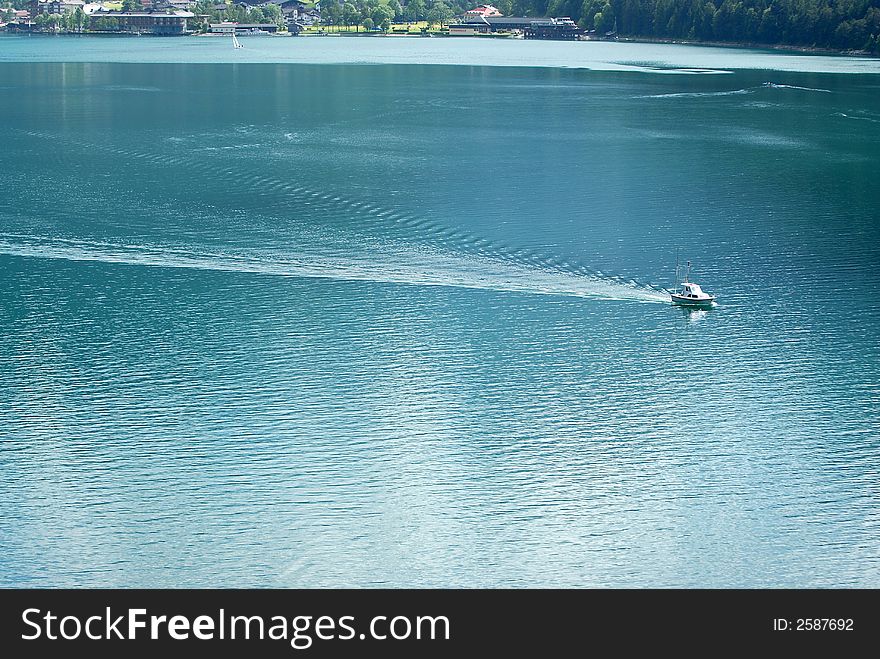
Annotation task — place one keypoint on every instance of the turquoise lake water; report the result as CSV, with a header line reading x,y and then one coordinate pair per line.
x,y
388,312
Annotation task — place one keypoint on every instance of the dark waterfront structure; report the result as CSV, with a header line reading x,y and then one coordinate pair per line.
x,y
242,28
162,23
146,22
558,29
561,29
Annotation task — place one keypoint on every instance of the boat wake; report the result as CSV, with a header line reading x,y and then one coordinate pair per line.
x,y
732,92
414,249
736,92
852,116
775,85
422,267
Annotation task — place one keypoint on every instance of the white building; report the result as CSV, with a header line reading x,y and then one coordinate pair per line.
x,y
483,11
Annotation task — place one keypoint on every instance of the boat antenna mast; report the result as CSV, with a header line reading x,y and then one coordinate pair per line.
x,y
677,267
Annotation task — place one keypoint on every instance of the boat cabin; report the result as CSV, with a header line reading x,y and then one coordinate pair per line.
x,y
689,289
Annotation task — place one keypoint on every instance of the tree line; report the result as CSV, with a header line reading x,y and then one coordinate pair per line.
x,y
69,21
839,24
381,14
842,24
269,13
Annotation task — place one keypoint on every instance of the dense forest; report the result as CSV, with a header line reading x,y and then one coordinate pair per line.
x,y
838,24
844,24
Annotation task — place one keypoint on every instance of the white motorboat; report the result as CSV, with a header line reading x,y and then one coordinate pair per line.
x,y
687,293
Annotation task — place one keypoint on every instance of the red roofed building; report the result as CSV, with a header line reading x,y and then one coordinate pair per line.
x,y
483,11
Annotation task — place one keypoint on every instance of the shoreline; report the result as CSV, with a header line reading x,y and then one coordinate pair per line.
x,y
779,48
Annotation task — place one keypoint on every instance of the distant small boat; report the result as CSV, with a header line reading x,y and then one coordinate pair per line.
x,y
687,293
235,42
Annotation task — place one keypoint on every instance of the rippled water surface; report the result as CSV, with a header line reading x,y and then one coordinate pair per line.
x,y
305,323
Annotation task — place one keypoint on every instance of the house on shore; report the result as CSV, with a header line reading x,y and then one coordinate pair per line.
x,y
483,11
299,14
55,6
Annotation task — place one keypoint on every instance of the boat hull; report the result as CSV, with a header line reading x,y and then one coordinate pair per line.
x,y
693,302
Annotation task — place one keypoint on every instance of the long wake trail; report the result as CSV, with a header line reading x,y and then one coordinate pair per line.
x,y
415,268
457,258
737,92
